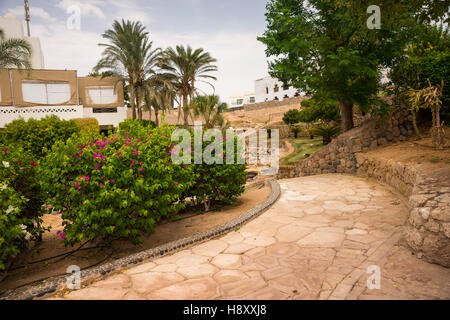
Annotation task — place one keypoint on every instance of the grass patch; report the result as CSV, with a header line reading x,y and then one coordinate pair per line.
x,y
435,160
305,147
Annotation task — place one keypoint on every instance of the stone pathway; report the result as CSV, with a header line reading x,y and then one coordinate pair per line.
x,y
316,242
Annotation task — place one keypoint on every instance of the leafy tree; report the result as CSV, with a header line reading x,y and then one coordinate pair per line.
x,y
188,66
131,57
14,52
325,48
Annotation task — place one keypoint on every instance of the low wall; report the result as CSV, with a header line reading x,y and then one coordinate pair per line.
x,y
273,103
428,226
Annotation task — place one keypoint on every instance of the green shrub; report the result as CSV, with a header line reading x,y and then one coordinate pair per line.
x,y
296,131
291,117
117,186
20,202
37,136
87,124
218,183
315,110
136,127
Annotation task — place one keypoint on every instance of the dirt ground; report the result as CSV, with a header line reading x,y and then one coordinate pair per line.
x,y
421,155
165,232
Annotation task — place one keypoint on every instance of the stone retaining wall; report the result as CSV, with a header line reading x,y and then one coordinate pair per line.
x,y
428,227
273,103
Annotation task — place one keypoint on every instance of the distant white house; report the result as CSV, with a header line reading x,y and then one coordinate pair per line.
x,y
13,28
268,89
239,100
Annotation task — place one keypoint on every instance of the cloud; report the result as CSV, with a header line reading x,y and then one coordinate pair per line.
x,y
35,12
130,10
87,7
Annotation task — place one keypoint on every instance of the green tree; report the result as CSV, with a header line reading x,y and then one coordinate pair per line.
x,y
210,109
188,66
325,48
319,110
14,52
291,117
131,57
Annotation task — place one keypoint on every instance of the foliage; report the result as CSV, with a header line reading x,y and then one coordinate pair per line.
x,y
296,131
114,187
210,109
326,132
20,202
427,57
129,55
291,117
135,127
188,66
217,183
325,48
430,98
319,110
14,52
87,124
38,136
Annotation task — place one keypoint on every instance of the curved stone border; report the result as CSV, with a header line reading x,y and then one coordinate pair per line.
x,y
58,283
428,226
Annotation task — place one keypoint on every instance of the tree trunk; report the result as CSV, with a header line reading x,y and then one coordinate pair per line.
x,y
346,115
185,110
156,117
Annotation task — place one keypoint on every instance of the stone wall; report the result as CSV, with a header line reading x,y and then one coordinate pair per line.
x,y
428,226
273,103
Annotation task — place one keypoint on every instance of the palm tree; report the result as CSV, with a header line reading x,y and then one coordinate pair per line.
x,y
160,94
210,110
14,53
131,58
188,66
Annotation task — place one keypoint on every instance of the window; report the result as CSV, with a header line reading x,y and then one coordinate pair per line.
x,y
267,90
45,93
104,110
252,100
276,88
240,101
297,94
285,87
276,98
101,95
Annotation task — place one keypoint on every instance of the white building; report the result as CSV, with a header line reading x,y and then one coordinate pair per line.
x,y
268,89
240,100
42,92
13,28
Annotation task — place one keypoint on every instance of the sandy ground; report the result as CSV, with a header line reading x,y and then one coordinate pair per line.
x,y
164,233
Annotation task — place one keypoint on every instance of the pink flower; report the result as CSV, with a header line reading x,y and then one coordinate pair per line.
x,y
5,151
80,152
76,183
112,181
131,165
176,212
101,184
142,169
33,163
176,182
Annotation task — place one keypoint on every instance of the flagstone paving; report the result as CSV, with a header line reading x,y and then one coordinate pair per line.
x,y
315,242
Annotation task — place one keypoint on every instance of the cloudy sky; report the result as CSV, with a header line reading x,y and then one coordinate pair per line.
x,y
226,28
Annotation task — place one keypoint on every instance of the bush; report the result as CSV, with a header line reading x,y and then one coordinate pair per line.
x,y
117,186
217,183
136,127
20,202
37,136
87,124
296,131
291,117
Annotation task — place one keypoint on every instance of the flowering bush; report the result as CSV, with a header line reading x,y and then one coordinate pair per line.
x,y
20,202
116,186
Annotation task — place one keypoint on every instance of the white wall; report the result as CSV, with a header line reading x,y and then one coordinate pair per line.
x,y
107,118
246,99
13,28
268,84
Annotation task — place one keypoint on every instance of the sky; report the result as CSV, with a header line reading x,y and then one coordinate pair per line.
x,y
225,28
